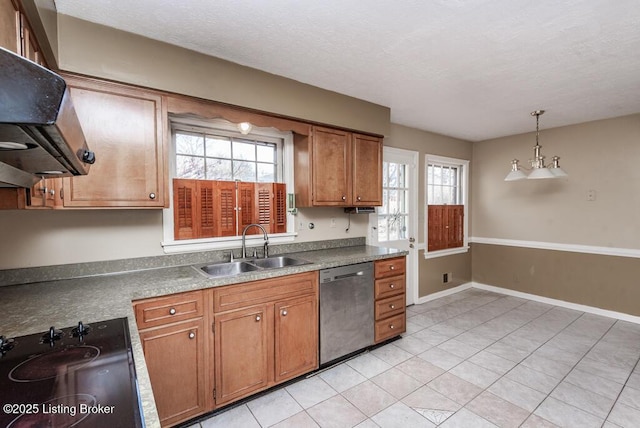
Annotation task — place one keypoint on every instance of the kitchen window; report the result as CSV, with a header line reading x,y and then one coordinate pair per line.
x,y
447,220
222,180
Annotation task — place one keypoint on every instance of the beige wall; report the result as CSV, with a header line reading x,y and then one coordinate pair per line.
x,y
600,156
431,270
44,238
605,282
111,54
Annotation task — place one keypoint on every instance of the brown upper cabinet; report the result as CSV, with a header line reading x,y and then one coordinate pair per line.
x,y
337,168
16,34
125,127
10,27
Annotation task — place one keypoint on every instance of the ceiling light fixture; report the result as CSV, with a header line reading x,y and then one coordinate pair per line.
x,y
538,168
244,127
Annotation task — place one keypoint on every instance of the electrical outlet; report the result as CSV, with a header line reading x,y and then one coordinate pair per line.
x,y
445,278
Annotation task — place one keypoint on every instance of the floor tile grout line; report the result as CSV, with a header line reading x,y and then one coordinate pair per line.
x,y
623,385
484,322
573,368
541,345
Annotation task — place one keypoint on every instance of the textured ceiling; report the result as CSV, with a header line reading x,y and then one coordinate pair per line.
x,y
472,69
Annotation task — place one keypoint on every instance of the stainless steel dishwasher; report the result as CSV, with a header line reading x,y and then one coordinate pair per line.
x,y
346,310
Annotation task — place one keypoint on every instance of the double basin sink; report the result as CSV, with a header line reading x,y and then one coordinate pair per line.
x,y
218,270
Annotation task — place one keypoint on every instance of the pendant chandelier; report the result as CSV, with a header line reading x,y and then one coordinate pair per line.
x,y
538,169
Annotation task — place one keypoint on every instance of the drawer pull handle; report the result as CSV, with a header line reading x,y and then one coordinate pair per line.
x,y
392,306
192,335
391,326
172,311
258,318
284,313
392,286
344,198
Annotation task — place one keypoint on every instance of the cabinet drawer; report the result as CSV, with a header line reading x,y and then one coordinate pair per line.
x,y
263,291
390,327
169,309
388,287
389,267
390,306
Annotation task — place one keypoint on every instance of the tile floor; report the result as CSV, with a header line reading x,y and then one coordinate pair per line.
x,y
471,359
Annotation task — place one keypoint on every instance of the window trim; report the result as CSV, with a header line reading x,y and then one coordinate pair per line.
x,y
463,164
169,244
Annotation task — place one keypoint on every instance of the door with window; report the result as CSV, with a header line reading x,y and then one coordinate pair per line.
x,y
395,223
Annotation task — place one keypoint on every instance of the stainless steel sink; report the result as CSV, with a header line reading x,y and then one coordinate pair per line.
x,y
278,262
219,270
228,269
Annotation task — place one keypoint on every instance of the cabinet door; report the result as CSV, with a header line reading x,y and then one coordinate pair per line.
x,y
241,353
331,167
125,127
175,357
10,27
45,194
296,337
367,170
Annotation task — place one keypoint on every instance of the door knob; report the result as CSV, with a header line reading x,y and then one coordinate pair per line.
x,y
412,239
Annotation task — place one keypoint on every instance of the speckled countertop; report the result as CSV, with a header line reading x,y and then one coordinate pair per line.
x,y
32,308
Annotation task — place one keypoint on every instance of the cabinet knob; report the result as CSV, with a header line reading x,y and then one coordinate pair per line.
x,y
192,335
258,318
391,326
172,311
152,195
284,313
392,306
392,267
392,286
359,198
344,198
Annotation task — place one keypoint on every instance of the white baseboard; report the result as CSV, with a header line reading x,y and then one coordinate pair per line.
x,y
443,293
550,301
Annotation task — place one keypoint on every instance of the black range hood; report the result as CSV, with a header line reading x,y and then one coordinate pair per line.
x,y
40,135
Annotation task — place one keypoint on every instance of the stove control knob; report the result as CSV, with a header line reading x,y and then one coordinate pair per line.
x,y
80,331
5,345
51,336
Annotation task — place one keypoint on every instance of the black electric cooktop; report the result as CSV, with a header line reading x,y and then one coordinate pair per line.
x,y
80,376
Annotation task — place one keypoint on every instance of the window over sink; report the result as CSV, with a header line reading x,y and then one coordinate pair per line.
x,y
222,180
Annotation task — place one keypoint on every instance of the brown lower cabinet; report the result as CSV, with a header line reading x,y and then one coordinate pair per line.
x,y
266,332
208,348
390,298
175,340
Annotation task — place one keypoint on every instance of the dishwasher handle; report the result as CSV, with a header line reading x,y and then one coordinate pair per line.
x,y
332,275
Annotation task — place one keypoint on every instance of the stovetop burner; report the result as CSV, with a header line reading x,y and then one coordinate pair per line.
x,y
51,364
81,376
